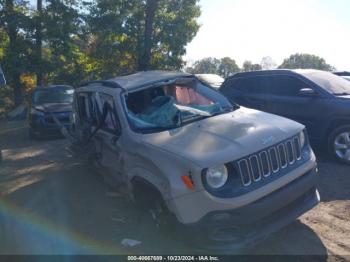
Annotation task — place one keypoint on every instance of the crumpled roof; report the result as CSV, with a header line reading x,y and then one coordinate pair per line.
x,y
144,78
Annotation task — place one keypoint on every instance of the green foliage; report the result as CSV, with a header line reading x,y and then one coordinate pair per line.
x,y
306,61
85,40
117,30
224,67
249,66
227,67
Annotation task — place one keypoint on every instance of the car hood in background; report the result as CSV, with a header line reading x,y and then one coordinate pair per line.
x,y
223,138
54,107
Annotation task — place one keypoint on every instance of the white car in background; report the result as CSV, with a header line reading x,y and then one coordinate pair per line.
x,y
212,80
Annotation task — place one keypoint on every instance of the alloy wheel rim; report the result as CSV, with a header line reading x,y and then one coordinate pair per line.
x,y
342,146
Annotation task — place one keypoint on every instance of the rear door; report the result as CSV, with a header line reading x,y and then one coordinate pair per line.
x,y
283,98
107,140
246,91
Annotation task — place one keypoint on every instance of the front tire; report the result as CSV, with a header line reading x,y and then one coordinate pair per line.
x,y
150,201
339,144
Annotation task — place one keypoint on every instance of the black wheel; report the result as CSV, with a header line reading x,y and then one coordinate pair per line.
x,y
339,144
150,201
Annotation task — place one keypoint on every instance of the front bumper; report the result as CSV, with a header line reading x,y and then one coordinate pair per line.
x,y
247,225
45,125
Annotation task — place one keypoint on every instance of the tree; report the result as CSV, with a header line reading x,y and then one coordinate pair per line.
x,y
227,67
16,28
38,42
224,67
306,61
64,45
267,63
209,65
145,56
249,66
132,35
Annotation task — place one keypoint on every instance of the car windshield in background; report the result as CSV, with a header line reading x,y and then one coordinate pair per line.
x,y
211,79
332,83
53,95
169,106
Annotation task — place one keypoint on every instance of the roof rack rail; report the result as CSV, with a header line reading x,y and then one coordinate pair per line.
x,y
106,83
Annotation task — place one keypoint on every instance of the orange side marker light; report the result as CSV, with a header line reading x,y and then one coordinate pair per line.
x,y
188,182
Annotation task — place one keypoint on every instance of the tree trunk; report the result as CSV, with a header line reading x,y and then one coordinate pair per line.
x,y
12,33
145,57
17,89
38,44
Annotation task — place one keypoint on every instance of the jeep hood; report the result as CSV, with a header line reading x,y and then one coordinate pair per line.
x,y
226,137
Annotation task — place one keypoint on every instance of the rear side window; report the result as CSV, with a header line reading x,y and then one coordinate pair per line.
x,y
284,85
83,105
279,85
111,124
248,85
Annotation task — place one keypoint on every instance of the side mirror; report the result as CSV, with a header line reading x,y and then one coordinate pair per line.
x,y
2,78
308,92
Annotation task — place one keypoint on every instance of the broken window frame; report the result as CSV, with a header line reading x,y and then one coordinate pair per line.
x,y
116,129
124,94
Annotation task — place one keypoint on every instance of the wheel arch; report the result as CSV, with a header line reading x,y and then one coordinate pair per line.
x,y
336,123
144,191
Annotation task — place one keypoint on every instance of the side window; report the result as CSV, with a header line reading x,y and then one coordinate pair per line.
x,y
86,108
249,85
112,124
83,106
284,85
266,84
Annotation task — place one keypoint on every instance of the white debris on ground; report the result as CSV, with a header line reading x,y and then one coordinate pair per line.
x,y
130,242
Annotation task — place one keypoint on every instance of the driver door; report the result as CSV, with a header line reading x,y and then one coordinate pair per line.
x,y
107,141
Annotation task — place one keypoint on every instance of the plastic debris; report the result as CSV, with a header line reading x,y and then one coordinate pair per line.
x,y
130,242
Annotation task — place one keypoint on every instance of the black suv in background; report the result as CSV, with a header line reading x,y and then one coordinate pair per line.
x,y
46,103
319,100
341,73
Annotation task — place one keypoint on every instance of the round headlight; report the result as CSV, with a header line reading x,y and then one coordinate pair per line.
x,y
302,139
217,176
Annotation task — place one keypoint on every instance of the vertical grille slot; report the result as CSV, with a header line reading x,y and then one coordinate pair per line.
x,y
297,148
283,155
274,159
255,168
290,152
245,172
265,164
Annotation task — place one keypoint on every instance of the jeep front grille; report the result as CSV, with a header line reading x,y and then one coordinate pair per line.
x,y
269,161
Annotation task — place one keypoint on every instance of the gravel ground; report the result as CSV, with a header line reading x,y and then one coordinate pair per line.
x,y
52,204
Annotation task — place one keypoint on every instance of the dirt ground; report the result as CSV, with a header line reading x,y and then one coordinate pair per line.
x,y
52,204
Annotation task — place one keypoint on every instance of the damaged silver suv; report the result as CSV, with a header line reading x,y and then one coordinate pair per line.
x,y
229,175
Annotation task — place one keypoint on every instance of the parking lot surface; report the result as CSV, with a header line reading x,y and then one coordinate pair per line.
x,y
52,203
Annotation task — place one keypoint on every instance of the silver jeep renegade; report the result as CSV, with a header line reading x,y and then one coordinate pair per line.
x,y
229,175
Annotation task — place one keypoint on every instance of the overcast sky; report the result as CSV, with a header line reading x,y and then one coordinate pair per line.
x,y
252,29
